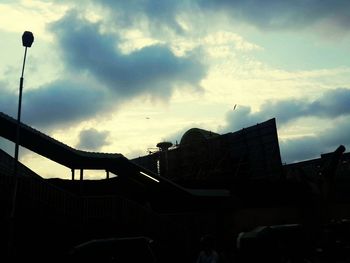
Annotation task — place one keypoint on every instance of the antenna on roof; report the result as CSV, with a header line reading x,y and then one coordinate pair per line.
x,y
163,157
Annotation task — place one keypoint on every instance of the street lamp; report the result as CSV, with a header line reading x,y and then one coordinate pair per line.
x,y
27,41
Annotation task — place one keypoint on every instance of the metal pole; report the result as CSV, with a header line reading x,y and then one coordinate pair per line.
x,y
15,168
15,173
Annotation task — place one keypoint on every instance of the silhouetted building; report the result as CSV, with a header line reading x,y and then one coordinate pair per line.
x,y
207,159
54,214
172,196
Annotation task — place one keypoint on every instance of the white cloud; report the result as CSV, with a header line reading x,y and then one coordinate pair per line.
x,y
230,40
80,86
29,15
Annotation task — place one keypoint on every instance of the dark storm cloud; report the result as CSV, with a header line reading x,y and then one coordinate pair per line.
x,y
92,56
310,147
276,14
152,70
8,102
61,102
57,103
159,14
332,104
267,14
92,139
303,148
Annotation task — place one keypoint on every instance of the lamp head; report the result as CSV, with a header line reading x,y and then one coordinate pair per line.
x,y
27,39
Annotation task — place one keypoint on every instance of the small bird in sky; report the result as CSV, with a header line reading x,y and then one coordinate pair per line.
x,y
147,118
234,107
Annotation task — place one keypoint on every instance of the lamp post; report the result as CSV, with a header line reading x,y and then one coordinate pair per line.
x,y
27,41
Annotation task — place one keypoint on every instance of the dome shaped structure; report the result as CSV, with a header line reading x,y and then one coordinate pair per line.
x,y
196,135
164,146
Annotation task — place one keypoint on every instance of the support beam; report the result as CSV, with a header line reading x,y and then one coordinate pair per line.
x,y
107,174
73,174
81,174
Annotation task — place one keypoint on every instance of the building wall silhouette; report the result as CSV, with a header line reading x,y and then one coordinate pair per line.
x,y
208,159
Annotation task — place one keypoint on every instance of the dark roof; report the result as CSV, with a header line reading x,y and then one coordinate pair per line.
x,y
47,146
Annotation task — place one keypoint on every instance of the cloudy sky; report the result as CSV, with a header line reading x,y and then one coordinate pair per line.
x,y
121,76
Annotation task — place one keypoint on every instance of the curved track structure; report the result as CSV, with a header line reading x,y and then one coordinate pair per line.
x,y
115,163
